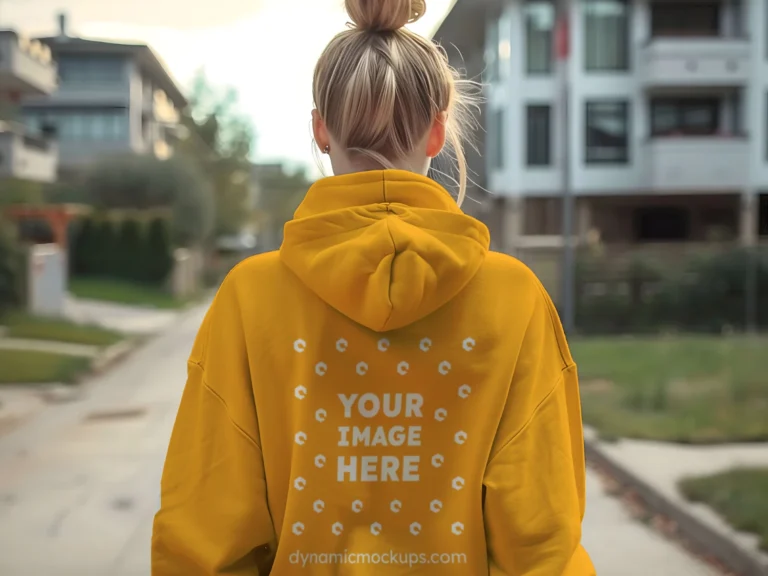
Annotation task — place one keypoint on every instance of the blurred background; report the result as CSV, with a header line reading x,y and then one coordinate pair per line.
x,y
622,154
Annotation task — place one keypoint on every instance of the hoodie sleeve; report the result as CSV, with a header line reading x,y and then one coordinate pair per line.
x,y
535,478
213,517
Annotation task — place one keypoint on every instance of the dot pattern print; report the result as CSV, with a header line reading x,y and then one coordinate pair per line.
x,y
367,405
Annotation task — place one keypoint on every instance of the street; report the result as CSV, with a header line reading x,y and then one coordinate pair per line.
x,y
79,483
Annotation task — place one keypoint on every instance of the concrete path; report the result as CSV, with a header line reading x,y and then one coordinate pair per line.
x,y
79,484
127,319
64,348
661,466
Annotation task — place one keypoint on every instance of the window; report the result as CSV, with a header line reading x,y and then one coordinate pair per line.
x,y
91,69
607,133
689,116
492,52
539,24
538,135
606,35
685,18
105,125
661,224
496,140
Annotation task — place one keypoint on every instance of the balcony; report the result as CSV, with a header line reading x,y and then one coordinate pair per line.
x,y
26,157
698,61
697,163
26,67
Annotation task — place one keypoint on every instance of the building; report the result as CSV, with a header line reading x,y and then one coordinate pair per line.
x,y
668,119
112,99
26,69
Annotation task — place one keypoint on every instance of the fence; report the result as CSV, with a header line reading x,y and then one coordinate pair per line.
x,y
661,288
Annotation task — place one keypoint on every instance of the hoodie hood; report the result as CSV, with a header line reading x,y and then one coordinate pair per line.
x,y
385,248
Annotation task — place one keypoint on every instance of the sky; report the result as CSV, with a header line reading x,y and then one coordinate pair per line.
x,y
265,49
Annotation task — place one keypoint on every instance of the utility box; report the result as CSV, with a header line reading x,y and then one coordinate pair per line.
x,y
46,280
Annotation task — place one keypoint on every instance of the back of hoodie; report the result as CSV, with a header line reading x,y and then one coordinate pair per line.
x,y
384,396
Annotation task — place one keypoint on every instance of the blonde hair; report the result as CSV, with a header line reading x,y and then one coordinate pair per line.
x,y
379,87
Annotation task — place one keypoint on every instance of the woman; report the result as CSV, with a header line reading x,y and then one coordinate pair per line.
x,y
384,395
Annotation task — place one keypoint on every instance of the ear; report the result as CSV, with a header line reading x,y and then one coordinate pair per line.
x,y
436,138
320,131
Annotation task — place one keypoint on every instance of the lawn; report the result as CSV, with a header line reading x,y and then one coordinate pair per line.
x,y
680,389
28,367
739,496
124,293
30,327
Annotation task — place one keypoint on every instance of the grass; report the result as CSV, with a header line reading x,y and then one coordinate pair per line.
x,y
681,389
32,367
740,496
124,293
30,327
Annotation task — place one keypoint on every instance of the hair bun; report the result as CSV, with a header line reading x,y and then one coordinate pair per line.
x,y
384,15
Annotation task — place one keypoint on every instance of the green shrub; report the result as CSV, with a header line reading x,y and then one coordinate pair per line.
x,y
129,255
708,294
103,247
10,269
158,251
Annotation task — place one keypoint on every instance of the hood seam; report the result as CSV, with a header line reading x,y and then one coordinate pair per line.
x,y
394,253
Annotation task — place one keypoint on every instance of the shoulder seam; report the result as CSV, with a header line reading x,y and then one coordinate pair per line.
x,y
554,321
530,419
216,395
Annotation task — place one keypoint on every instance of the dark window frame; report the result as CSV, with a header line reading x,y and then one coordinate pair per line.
x,y
546,159
682,105
625,108
683,15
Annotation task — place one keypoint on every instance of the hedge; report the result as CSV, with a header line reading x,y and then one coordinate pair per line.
x,y
706,294
128,249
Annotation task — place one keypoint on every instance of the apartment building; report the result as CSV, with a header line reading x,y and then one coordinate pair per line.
x,y
112,98
26,69
668,119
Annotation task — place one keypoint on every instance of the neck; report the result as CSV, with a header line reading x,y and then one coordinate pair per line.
x,y
342,165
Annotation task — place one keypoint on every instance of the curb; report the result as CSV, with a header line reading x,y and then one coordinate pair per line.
x,y
703,538
112,355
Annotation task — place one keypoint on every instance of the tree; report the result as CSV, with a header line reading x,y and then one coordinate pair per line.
x,y
280,193
146,183
221,140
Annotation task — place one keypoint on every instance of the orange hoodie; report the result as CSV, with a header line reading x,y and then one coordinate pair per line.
x,y
382,396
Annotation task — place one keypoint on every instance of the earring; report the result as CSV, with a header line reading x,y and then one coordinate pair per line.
x,y
327,150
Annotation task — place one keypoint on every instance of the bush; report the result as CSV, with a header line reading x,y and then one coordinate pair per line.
x,y
103,248
146,183
10,269
129,257
708,294
159,252
82,253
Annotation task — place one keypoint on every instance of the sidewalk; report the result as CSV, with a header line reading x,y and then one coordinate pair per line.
x,y
64,348
121,318
80,483
654,470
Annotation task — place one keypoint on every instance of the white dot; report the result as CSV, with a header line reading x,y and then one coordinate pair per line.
x,y
300,345
357,506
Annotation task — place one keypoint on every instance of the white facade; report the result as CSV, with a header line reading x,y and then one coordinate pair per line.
x,y
26,68
730,67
